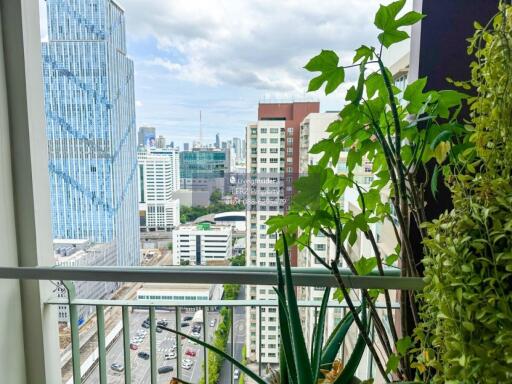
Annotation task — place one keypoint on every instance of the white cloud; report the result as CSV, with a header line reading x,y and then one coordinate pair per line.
x,y
260,44
138,103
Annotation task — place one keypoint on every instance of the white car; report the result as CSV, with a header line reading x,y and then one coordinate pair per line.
x,y
236,374
213,322
170,356
186,364
196,334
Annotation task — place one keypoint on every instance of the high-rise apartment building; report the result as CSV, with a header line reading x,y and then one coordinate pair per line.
x,y
146,137
158,180
90,114
272,158
217,140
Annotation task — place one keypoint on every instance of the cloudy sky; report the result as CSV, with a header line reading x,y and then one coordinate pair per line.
x,y
223,56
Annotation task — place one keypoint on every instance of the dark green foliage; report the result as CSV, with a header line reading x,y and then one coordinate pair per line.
x,y
466,329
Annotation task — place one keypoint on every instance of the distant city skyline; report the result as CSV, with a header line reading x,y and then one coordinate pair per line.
x,y
223,57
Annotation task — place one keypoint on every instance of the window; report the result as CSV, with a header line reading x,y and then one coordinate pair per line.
x,y
290,130
289,140
273,150
274,130
263,140
263,130
262,150
274,141
319,247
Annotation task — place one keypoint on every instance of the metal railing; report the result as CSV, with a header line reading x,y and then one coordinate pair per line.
x,y
254,276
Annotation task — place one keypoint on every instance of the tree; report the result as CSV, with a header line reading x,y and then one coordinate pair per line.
x,y
215,196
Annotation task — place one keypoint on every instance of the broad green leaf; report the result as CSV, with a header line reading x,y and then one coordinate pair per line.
x,y
414,95
385,20
374,82
365,266
403,345
391,37
327,63
392,364
363,52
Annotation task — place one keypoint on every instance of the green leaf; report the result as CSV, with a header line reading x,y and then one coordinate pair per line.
x,y
286,339
350,368
403,345
327,63
391,37
219,352
297,336
335,340
363,52
390,260
374,83
365,266
392,364
318,338
435,179
414,95
385,20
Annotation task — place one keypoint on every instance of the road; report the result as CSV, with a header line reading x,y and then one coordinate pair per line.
x,y
239,318
140,368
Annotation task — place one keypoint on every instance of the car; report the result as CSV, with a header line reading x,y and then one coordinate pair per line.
x,y
133,346
190,352
213,322
143,355
196,328
170,356
117,367
187,364
162,322
184,324
187,318
165,369
196,334
158,329
145,325
236,374
142,332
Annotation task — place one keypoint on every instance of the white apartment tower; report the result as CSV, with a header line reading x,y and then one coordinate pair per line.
x,y
158,180
272,164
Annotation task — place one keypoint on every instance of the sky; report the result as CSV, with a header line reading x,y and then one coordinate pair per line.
x,y
222,57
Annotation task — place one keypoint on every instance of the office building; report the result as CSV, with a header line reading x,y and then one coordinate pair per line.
x,y
217,140
158,180
90,114
203,169
146,137
272,155
160,142
202,244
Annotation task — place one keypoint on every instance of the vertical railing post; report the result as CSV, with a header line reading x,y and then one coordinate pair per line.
x,y
102,353
75,338
259,340
178,341
232,317
205,351
126,346
152,343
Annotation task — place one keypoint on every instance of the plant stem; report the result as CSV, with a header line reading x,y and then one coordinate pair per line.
x,y
358,322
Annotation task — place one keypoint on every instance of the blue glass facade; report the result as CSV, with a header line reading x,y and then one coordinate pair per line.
x,y
90,114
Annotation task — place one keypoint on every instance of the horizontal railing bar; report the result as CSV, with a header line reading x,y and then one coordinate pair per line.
x,y
202,303
314,277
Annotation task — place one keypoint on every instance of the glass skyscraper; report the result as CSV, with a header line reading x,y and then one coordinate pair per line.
x,y
90,114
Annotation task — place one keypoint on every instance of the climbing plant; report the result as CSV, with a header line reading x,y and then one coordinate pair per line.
x,y
466,315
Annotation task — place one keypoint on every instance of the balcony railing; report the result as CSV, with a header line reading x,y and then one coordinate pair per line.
x,y
307,277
